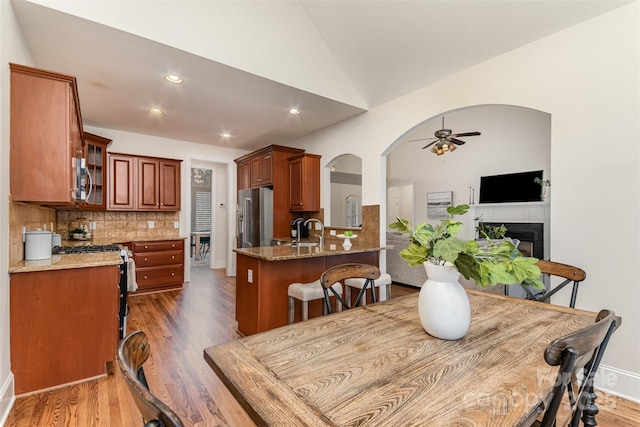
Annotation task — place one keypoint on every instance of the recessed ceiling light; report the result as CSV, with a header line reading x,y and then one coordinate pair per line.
x,y
173,78
225,135
294,111
156,110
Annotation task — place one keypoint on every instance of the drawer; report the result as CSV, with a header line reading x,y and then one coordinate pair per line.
x,y
171,245
158,276
152,259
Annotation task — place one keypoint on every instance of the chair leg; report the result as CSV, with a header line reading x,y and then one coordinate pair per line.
x,y
292,305
347,293
305,310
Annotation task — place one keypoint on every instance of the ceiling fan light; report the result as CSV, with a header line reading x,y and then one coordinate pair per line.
x,y
452,147
445,147
434,149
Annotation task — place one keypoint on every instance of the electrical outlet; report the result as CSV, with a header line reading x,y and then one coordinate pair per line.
x,y
92,225
250,276
318,226
332,247
332,232
151,224
176,224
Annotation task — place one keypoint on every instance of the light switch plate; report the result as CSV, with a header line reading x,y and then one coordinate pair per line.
x,y
332,232
250,276
151,224
176,224
92,225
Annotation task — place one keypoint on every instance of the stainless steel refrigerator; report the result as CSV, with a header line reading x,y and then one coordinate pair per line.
x,y
255,217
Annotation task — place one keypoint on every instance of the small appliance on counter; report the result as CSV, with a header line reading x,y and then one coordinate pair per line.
x,y
296,224
37,245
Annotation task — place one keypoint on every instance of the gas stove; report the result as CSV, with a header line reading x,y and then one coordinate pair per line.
x,y
84,249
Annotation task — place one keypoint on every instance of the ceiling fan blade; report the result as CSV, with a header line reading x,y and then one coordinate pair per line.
x,y
466,134
420,139
430,144
456,141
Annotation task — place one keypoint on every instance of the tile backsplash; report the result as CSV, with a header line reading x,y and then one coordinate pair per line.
x,y
30,216
119,226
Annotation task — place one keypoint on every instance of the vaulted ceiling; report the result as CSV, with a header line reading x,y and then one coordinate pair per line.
x,y
245,63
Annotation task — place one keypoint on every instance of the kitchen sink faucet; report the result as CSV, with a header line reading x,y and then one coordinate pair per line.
x,y
321,227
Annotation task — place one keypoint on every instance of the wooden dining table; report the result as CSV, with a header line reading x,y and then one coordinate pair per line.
x,y
376,366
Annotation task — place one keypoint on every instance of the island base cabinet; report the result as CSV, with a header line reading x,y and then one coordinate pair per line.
x,y
63,325
262,301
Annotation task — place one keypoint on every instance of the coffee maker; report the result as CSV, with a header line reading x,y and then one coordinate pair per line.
x,y
304,230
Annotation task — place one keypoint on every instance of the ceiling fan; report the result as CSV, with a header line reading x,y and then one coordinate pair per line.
x,y
445,140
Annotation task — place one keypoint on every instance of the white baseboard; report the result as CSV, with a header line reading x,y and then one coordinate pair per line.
x,y
618,382
220,263
7,399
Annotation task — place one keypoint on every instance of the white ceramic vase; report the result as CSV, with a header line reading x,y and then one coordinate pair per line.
x,y
443,304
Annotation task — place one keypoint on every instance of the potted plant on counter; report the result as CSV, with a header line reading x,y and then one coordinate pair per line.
x,y
443,304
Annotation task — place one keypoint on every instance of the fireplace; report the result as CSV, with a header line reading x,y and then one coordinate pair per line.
x,y
530,235
527,222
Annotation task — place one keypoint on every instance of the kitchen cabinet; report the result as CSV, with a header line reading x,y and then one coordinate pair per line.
x,y
121,172
273,159
244,175
63,325
261,169
159,264
45,135
95,153
158,185
143,183
304,183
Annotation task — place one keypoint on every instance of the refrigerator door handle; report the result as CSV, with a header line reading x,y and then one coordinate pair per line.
x,y
246,210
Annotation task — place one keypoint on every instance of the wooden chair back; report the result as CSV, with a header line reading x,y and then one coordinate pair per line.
x,y
349,271
581,350
133,351
569,273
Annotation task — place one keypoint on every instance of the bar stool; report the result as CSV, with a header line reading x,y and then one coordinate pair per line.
x,y
305,292
358,283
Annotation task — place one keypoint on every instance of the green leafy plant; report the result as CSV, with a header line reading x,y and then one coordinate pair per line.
x,y
542,182
490,264
491,231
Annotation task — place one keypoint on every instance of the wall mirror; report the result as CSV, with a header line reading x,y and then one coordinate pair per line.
x,y
346,191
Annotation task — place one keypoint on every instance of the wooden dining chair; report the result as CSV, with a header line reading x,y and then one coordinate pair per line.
x,y
205,244
569,273
339,273
133,351
580,350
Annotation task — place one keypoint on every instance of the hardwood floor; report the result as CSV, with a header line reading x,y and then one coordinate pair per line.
x,y
180,324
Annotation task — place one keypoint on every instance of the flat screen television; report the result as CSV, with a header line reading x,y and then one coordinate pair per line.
x,y
510,188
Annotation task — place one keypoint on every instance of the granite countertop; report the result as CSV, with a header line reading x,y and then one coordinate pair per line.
x,y
63,262
286,252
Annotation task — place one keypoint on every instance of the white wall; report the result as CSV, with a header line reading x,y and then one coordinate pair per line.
x,y
587,78
12,49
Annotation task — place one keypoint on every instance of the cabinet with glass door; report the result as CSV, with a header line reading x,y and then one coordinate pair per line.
x,y
96,161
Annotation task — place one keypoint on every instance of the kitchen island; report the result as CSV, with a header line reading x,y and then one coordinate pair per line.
x,y
265,273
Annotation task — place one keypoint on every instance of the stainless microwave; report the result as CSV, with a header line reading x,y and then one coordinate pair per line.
x,y
82,178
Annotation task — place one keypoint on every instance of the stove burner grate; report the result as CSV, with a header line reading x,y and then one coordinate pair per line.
x,y
85,249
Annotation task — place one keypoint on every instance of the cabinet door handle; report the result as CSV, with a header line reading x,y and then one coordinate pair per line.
x,y
173,274
145,277
173,257
146,259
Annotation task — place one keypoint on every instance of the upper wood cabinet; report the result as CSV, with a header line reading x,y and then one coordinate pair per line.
x,y
46,134
95,153
261,169
143,183
269,167
304,183
244,175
